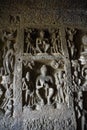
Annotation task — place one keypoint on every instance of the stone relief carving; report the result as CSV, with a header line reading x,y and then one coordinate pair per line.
x,y
42,41
80,111
76,44
84,77
57,64
84,46
62,88
7,71
42,44
80,86
28,90
14,19
76,76
8,61
79,104
77,47
45,88
56,42
44,82
70,33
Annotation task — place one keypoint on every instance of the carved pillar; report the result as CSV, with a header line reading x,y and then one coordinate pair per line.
x,y
67,65
18,75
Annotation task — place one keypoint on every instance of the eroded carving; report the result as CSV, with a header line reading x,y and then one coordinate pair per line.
x,y
70,33
44,82
42,41
29,45
76,44
45,88
7,71
79,75
14,19
62,95
8,61
76,76
56,42
28,90
84,46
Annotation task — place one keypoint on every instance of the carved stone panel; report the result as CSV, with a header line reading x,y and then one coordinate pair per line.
x,y
77,48
39,41
43,65
44,83
76,43
8,41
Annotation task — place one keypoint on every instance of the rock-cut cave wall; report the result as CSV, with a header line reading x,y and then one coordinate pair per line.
x,y
43,65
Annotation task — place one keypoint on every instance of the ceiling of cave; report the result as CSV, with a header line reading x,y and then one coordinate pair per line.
x,y
61,4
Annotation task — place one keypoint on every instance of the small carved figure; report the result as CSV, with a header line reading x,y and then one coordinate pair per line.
x,y
75,65
84,46
8,61
29,47
59,84
28,39
56,42
8,100
70,41
8,95
14,19
28,90
42,44
84,68
6,80
84,86
76,81
44,82
83,60
55,64
76,76
79,104
80,111
9,36
66,89
29,64
8,110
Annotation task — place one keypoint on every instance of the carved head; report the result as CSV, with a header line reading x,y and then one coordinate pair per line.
x,y
41,34
76,73
43,70
82,59
84,40
70,33
55,64
28,76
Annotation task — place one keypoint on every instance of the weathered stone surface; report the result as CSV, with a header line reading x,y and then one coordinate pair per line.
x,y
43,66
